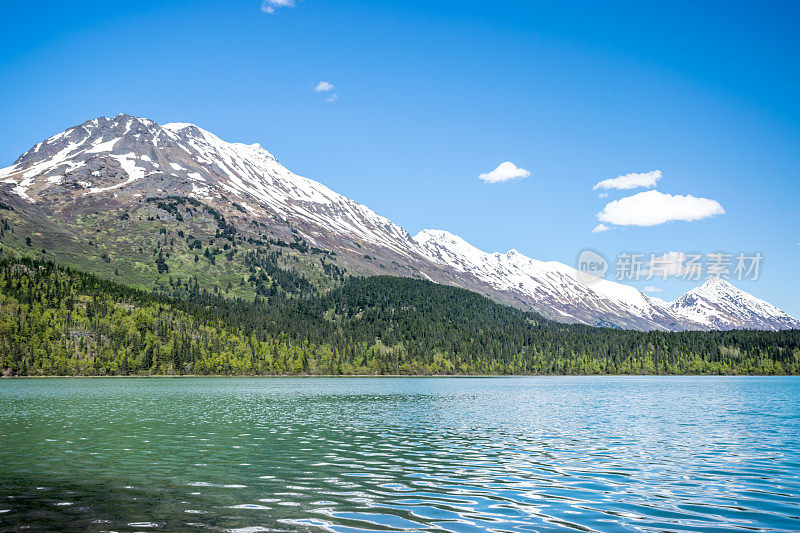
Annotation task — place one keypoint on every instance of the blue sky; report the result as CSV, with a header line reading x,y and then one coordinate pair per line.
x,y
432,94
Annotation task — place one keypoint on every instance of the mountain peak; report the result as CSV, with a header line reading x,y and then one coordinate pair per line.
x,y
718,304
717,282
441,246
124,158
437,234
716,288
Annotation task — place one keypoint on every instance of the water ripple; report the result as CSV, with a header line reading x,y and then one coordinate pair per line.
x,y
446,455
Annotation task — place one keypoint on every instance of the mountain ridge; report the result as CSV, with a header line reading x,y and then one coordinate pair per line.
x,y
124,162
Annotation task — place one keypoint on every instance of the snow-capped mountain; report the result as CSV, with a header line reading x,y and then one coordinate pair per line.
x,y
105,170
113,157
558,291
717,304
552,288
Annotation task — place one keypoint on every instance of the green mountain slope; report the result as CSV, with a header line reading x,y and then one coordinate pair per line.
x,y
160,241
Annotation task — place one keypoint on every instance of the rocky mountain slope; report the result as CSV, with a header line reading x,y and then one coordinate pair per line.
x,y
156,205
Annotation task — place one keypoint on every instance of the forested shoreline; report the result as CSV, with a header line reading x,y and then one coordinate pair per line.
x,y
59,321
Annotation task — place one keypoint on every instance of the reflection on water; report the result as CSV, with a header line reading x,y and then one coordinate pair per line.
x,y
405,454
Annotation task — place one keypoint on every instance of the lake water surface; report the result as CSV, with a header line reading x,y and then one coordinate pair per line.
x,y
401,454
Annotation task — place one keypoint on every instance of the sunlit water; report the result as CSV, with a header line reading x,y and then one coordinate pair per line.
x,y
461,455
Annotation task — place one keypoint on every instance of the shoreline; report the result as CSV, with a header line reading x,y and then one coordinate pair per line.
x,y
380,376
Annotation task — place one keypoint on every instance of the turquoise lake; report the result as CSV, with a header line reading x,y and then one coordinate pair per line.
x,y
401,454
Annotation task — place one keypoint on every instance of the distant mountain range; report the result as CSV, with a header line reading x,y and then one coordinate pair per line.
x,y
99,195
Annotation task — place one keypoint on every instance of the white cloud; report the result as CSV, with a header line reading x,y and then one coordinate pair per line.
x,y
631,181
650,288
505,172
331,98
652,208
603,195
600,228
323,86
268,6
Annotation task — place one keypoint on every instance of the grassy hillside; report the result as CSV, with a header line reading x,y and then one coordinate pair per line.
x,y
58,321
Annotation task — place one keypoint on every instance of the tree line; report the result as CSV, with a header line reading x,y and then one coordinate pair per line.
x,y
59,321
